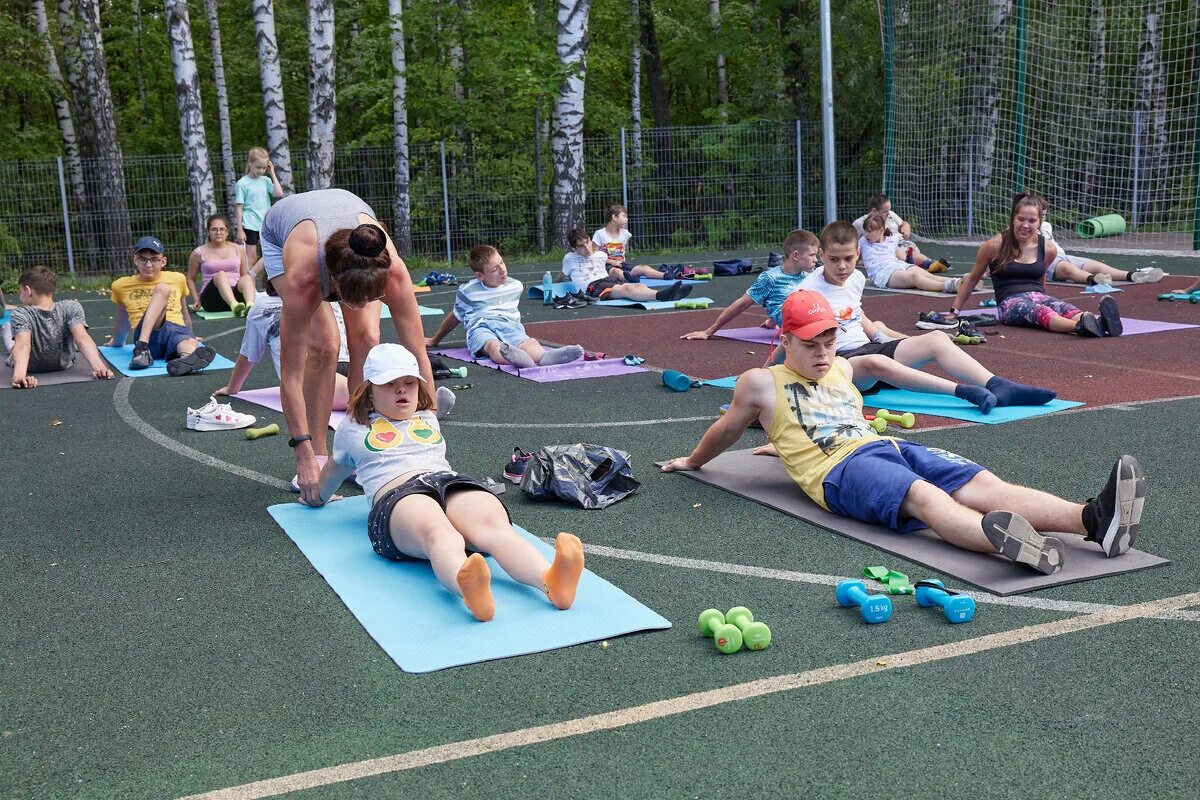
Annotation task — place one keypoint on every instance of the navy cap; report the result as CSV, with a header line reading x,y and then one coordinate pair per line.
x,y
148,243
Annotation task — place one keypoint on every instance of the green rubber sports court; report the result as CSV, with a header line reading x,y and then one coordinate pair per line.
x,y
163,638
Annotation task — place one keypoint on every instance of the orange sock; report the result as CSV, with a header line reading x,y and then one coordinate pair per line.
x,y
561,580
475,581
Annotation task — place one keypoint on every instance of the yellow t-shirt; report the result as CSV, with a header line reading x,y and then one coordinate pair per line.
x,y
817,424
134,294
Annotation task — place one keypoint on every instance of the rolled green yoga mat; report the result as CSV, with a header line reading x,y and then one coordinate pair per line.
x,y
1107,225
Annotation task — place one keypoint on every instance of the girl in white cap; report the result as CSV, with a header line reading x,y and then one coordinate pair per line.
x,y
421,508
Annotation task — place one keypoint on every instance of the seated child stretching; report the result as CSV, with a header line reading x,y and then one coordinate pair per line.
x,y
154,303
421,509
47,331
1016,258
772,286
881,205
857,335
222,267
488,306
882,254
813,417
613,241
1078,269
586,267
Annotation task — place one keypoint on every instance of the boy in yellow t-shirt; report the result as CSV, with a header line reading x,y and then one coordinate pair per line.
x,y
153,303
812,412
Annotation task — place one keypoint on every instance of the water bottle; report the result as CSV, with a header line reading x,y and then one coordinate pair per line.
x,y
547,289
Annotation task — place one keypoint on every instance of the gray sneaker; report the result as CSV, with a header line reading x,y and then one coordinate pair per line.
x,y
1113,516
141,357
1014,538
194,361
1146,275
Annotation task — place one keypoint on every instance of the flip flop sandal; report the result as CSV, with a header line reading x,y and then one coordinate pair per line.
x,y
633,361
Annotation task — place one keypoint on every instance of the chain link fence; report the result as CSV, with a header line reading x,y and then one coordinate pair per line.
x,y
687,188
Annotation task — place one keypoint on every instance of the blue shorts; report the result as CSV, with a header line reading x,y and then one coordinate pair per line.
x,y
871,483
165,340
484,331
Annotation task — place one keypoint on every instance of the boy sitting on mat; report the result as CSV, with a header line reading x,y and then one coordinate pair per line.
x,y
812,413
153,303
613,241
857,335
488,306
588,268
772,286
421,509
47,331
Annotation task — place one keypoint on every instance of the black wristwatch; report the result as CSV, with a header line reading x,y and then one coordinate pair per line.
x,y
295,440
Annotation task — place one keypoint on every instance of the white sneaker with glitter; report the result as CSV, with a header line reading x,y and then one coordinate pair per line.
x,y
214,416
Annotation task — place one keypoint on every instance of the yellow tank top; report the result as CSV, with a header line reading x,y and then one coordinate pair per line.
x,y
816,425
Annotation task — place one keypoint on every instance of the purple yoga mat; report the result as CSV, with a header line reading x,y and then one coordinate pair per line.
x,y
756,334
269,398
573,371
1131,325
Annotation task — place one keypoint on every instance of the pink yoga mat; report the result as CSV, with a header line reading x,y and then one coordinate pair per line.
x,y
576,370
1131,325
269,398
756,334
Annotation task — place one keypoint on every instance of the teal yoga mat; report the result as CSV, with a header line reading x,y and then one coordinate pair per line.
x,y
119,358
422,626
940,405
1106,225
202,314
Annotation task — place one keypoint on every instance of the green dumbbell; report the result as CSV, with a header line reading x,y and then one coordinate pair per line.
x,y
905,420
726,638
755,635
880,425
257,433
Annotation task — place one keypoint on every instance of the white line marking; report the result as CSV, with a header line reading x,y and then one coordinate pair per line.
x,y
633,715
706,418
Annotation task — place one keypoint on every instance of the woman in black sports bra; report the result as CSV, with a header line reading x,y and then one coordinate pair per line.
x,y
1016,260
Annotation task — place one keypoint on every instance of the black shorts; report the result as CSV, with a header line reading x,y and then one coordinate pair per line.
x,y
438,485
211,300
873,349
343,369
251,236
602,288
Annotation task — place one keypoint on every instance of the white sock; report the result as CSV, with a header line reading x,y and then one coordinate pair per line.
x,y
445,402
6,335
561,355
516,356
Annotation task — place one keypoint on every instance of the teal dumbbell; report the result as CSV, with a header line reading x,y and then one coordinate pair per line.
x,y
957,608
874,608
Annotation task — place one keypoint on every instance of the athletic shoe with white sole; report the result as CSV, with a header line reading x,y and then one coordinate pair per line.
x,y
1146,275
214,416
1014,538
936,321
1102,280
194,361
1110,317
515,468
1113,516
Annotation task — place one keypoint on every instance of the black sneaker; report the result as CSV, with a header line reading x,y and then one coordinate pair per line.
x,y
194,361
936,321
1088,324
141,357
1110,315
1112,517
569,301
583,297
1014,538
516,465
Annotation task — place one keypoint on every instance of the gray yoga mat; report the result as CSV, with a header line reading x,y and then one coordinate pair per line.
x,y
80,372
764,480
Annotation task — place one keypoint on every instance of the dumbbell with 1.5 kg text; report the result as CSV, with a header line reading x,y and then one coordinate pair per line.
x,y
874,608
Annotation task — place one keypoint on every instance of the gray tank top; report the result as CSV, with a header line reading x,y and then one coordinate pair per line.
x,y
329,209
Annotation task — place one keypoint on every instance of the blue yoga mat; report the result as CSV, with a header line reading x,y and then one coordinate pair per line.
x,y
538,292
421,625
426,311
654,305
722,383
119,358
940,405
5,317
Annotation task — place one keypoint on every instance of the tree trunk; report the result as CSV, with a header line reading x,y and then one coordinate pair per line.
x,y
1152,103
272,88
566,138
714,16
322,100
635,64
230,175
988,111
87,73
62,107
660,106
191,116
1090,181
138,57
402,222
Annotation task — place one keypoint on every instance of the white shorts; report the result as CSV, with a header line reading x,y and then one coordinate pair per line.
x,y
272,257
880,274
1077,261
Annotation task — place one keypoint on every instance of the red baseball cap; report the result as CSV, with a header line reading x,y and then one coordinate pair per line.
x,y
807,314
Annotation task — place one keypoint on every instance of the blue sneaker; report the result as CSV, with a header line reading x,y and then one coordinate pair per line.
x,y
516,465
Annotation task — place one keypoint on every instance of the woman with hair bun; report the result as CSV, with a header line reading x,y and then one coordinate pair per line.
x,y
327,245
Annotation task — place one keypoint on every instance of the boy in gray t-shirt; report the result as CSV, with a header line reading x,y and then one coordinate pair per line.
x,y
47,331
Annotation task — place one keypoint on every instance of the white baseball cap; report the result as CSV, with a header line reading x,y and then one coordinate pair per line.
x,y
387,362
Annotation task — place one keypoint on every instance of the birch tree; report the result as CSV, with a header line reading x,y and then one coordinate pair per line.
x,y
191,117
278,143
566,136
402,223
635,102
96,124
322,101
214,35
714,16
1152,103
988,109
1098,84
62,107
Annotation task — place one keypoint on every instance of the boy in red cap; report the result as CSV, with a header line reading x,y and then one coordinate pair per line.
x,y
812,414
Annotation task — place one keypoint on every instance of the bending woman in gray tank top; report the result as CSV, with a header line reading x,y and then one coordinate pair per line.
x,y
327,245
1016,258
